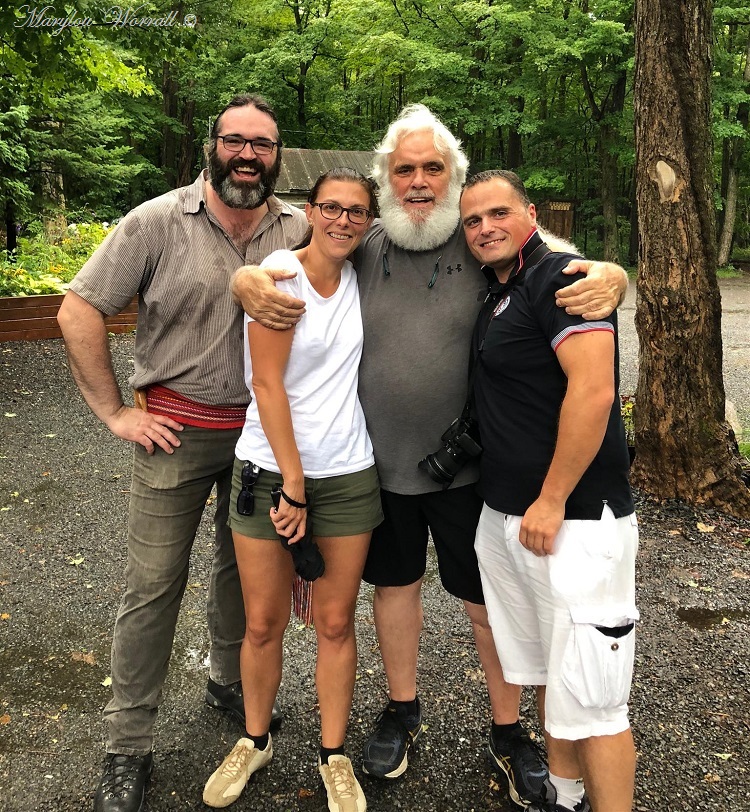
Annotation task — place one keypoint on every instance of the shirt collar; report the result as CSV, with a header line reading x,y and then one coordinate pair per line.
x,y
195,195
533,241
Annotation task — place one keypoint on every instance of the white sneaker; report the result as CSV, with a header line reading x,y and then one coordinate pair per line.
x,y
225,786
344,791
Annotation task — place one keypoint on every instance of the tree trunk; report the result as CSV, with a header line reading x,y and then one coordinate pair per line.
x,y
608,191
169,89
187,145
730,207
685,448
733,155
633,241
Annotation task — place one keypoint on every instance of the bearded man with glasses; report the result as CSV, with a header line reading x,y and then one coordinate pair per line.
x,y
177,253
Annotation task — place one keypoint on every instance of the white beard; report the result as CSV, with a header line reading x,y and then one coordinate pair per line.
x,y
425,233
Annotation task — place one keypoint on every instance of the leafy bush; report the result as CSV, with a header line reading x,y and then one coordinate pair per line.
x,y
40,266
627,403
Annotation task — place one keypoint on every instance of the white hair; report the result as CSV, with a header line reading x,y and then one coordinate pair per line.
x,y
418,118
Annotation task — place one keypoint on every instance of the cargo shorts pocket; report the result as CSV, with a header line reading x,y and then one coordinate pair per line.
x,y
597,666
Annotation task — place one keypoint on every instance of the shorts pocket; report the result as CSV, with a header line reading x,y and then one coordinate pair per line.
x,y
597,666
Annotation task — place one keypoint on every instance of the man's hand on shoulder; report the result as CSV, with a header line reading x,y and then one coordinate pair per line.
x,y
149,430
254,288
596,296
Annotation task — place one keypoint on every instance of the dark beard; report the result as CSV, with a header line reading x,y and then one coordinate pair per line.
x,y
242,195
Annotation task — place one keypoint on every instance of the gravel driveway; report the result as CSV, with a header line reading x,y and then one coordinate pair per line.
x,y
63,497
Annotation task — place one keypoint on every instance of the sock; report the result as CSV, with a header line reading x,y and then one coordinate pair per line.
x,y
503,731
260,742
326,752
569,790
405,708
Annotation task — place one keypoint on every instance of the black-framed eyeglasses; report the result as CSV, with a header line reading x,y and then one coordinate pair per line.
x,y
356,214
236,143
246,496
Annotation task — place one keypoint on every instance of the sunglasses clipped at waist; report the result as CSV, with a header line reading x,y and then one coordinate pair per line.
x,y
306,556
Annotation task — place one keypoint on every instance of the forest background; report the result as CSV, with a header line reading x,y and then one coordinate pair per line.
x,y
103,107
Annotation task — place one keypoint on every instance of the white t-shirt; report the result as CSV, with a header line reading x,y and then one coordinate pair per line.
x,y
320,379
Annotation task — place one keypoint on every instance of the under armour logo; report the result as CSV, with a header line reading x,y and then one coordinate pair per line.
x,y
458,268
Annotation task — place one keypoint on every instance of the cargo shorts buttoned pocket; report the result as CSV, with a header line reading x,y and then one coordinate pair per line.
x,y
597,665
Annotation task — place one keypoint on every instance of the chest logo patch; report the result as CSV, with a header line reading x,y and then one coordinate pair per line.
x,y
501,305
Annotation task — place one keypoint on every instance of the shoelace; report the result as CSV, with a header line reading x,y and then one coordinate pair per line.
x,y
342,779
236,761
120,775
531,754
525,748
391,719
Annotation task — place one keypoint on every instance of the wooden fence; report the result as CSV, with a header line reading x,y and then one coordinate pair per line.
x,y
30,318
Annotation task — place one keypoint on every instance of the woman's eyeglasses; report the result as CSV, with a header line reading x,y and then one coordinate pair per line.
x,y
332,211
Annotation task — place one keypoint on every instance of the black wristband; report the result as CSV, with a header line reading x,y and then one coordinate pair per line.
x,y
291,501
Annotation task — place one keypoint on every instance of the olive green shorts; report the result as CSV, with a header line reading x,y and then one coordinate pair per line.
x,y
344,505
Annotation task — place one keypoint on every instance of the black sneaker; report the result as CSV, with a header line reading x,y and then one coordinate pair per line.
x,y
582,806
122,786
386,751
229,698
522,761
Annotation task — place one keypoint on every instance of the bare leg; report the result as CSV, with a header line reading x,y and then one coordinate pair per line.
x,y
398,622
504,697
609,771
266,573
334,599
562,754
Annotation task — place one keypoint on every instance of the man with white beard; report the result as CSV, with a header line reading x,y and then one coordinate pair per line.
x,y
420,291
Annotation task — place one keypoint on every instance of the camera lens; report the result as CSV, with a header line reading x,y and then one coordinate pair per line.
x,y
441,466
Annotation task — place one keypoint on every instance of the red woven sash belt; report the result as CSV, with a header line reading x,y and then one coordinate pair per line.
x,y
166,402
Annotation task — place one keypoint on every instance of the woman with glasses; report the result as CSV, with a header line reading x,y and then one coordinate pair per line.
x,y
305,431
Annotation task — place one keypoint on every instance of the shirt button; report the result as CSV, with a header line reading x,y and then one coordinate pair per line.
x,y
615,646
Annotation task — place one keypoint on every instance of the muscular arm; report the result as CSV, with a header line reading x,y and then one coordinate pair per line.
x,y
87,346
588,362
253,288
269,352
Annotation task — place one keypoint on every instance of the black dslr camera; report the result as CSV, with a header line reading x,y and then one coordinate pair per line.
x,y
460,444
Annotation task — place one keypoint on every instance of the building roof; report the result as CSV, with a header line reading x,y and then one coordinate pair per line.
x,y
300,168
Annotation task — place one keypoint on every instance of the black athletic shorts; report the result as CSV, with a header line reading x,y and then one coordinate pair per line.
x,y
398,550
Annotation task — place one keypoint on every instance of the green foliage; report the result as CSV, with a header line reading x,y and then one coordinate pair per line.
x,y
40,266
626,408
113,116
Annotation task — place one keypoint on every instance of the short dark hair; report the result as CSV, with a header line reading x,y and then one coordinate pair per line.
x,y
246,100
345,173
501,174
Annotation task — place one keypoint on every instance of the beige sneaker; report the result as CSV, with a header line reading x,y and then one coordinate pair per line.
x,y
344,791
225,786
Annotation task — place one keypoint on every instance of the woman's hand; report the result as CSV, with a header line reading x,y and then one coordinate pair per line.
x,y
288,520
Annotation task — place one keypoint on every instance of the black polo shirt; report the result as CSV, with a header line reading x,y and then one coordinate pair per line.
x,y
519,388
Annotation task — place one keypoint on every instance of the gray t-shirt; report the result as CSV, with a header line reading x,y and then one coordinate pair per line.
x,y
179,260
413,378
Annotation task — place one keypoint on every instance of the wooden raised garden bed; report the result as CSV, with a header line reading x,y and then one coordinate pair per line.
x,y
30,318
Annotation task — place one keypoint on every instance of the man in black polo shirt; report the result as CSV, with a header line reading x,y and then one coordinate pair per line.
x,y
557,539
